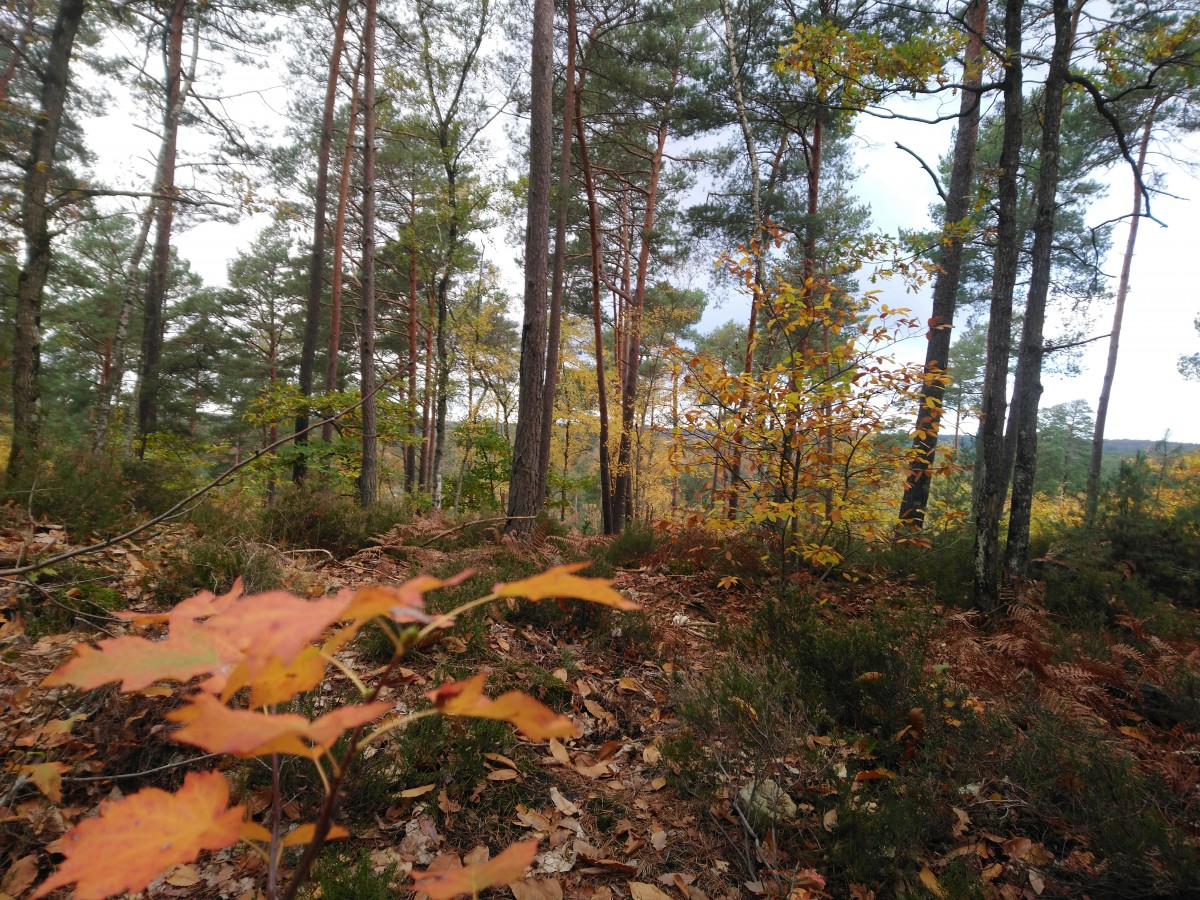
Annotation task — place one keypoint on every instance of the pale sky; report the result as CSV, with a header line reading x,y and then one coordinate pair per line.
x,y
1149,395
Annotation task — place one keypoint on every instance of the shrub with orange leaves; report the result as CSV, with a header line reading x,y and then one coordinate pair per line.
x,y
806,442
279,646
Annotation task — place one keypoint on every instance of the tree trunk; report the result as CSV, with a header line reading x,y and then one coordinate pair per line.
x,y
756,226
156,285
31,283
945,286
339,251
524,499
1114,338
606,518
316,262
629,376
1027,390
410,452
106,406
368,480
554,332
990,439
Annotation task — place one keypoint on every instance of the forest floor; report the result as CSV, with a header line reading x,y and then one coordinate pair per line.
x,y
883,742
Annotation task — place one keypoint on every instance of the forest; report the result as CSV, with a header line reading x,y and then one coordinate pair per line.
x,y
544,448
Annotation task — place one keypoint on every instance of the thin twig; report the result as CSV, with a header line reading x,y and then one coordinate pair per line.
x,y
936,183
122,775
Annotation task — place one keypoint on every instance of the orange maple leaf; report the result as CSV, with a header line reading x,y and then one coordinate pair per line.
x,y
508,866
560,581
533,719
211,725
133,840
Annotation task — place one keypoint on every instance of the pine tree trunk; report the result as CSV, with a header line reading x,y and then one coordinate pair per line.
x,y
1114,338
606,519
339,252
35,225
368,479
524,499
1027,389
756,227
316,263
945,286
554,331
410,452
990,439
156,285
629,378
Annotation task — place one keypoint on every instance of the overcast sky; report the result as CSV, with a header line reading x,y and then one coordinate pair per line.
x,y
1149,396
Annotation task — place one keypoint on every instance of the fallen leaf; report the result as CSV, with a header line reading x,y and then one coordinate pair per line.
x,y
418,791
183,876
537,889
930,881
1130,731
565,806
559,752
629,684
20,875
503,775
651,754
830,821
1017,847
641,891
1036,882
134,839
47,777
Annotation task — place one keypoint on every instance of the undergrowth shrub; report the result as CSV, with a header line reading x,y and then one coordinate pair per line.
x,y
279,647
312,518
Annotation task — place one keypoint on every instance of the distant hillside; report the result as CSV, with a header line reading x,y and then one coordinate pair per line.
x,y
1118,446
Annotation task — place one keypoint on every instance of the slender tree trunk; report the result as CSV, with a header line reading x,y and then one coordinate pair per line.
x,y
35,225
106,406
754,245
629,378
410,452
316,263
524,498
606,519
427,408
156,285
945,286
554,332
368,481
1114,338
1027,390
339,252
990,438
17,55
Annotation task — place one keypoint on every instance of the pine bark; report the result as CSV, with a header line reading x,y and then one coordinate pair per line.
x,y
316,261
945,286
149,383
554,329
524,499
339,252
589,183
368,479
35,225
990,439
1027,389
